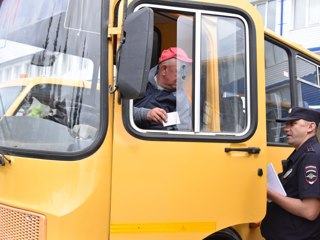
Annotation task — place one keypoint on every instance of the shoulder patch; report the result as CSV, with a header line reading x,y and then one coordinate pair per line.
x,y
310,149
311,174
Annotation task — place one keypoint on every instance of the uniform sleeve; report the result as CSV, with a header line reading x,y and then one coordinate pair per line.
x,y
309,183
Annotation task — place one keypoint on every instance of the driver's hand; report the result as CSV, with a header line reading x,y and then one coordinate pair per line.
x,y
157,115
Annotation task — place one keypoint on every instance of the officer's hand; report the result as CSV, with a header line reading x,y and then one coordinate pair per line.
x,y
158,115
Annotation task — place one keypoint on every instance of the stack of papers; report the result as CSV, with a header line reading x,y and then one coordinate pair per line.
x,y
274,181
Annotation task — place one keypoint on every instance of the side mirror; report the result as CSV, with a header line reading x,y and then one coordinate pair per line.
x,y
135,54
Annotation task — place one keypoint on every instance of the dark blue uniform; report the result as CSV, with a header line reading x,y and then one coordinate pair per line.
x,y
300,179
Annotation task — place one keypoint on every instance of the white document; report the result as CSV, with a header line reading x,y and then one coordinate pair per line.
x,y
173,119
274,181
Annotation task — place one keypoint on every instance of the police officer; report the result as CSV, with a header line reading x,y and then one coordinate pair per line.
x,y
297,215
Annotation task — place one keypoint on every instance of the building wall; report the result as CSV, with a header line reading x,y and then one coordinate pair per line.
x,y
309,37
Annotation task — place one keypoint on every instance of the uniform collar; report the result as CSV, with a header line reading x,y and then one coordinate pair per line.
x,y
304,148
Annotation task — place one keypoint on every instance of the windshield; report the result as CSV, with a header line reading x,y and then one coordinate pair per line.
x,y
49,74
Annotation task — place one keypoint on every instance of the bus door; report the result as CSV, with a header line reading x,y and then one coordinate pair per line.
x,y
205,171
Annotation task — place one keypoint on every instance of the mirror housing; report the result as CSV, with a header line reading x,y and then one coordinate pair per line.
x,y
135,54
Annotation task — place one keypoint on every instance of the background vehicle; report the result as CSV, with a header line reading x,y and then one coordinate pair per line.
x,y
74,163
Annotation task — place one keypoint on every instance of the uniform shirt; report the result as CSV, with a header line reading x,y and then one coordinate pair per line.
x,y
300,180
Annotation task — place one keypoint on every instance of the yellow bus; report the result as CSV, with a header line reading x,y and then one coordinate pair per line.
x,y
75,165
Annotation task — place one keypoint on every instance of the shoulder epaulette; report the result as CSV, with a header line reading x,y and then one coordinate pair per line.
x,y
310,149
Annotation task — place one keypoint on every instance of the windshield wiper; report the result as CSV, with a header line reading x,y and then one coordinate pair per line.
x,y
4,159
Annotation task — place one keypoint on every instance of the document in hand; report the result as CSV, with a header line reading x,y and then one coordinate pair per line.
x,y
173,119
274,181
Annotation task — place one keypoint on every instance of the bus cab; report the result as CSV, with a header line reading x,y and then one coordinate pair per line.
x,y
75,164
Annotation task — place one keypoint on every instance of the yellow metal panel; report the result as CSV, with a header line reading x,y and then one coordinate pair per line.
x,y
162,227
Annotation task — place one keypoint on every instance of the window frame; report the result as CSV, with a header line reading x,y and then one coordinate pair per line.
x,y
102,73
300,81
289,62
251,108
306,20
293,54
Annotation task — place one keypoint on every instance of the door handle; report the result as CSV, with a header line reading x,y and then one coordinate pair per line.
x,y
250,150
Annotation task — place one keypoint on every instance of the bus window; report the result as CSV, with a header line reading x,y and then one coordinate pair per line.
x,y
49,78
278,97
306,71
216,83
308,88
167,23
223,78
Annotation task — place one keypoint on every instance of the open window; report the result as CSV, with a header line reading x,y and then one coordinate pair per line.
x,y
212,92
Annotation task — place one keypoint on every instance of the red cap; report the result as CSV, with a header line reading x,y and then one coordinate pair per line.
x,y
173,52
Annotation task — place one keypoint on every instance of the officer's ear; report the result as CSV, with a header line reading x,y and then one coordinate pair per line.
x,y
313,127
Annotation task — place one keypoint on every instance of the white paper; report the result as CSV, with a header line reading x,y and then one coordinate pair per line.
x,y
274,181
173,119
